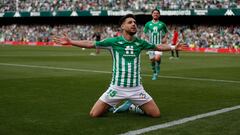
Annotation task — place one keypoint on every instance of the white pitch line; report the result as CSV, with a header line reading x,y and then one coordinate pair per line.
x,y
196,79
48,67
106,72
180,121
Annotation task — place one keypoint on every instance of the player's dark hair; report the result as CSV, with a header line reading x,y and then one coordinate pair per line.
x,y
125,17
156,10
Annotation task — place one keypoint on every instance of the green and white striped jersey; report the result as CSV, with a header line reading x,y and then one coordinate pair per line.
x,y
126,59
155,31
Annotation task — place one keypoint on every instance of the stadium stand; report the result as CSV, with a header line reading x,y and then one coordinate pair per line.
x,y
136,5
195,35
199,36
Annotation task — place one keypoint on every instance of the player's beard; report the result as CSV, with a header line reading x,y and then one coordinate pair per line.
x,y
155,19
132,33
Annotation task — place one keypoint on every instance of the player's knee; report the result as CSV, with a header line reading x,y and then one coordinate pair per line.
x,y
155,114
93,114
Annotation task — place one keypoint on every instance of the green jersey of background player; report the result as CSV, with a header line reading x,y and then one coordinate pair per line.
x,y
155,32
126,83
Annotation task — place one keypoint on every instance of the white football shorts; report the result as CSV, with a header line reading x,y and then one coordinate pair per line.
x,y
115,94
153,53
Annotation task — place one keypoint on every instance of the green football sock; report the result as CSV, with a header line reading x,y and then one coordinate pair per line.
x,y
153,67
158,66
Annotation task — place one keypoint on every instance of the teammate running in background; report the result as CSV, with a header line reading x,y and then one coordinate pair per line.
x,y
155,32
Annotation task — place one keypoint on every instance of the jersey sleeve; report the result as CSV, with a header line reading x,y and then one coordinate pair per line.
x,y
148,46
105,43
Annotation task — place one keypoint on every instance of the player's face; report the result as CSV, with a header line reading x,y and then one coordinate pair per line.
x,y
155,15
130,26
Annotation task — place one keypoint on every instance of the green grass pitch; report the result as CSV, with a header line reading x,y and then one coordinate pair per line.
x,y
50,91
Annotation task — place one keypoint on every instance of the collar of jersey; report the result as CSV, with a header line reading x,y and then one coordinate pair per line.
x,y
127,40
155,22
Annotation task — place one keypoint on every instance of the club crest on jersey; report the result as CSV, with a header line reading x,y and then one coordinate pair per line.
x,y
137,44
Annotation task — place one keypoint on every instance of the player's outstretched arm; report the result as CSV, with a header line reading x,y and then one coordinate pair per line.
x,y
181,46
65,40
167,47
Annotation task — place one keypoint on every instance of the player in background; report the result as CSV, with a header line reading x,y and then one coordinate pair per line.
x,y
118,33
175,40
126,80
97,36
156,32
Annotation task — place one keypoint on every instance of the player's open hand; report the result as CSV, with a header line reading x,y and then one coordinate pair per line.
x,y
181,46
64,40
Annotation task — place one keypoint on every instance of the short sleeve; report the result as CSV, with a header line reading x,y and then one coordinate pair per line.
x,y
105,43
148,46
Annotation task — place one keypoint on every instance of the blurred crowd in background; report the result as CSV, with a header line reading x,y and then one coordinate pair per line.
x,y
192,35
135,5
